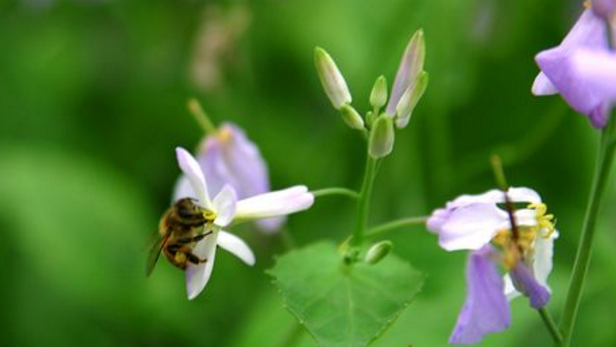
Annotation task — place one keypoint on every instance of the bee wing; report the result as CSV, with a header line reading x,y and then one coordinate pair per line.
x,y
155,251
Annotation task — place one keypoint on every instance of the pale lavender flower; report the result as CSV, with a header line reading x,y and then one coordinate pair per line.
x,y
229,157
228,210
478,224
558,75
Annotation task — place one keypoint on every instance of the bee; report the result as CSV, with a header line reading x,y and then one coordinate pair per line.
x,y
181,227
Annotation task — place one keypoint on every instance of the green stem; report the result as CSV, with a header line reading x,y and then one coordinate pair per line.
x,y
364,202
201,117
582,259
551,325
335,191
384,228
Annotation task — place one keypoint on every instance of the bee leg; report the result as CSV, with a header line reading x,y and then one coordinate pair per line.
x,y
187,240
194,259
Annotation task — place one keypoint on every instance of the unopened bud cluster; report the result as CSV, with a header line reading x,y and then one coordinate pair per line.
x,y
409,86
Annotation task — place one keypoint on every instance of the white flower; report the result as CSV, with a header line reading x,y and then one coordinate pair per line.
x,y
228,210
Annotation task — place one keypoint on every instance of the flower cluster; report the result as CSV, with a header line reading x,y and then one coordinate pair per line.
x,y
520,241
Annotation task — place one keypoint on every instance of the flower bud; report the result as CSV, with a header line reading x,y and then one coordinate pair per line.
x,y
370,118
377,252
378,96
411,64
410,98
351,117
381,137
603,8
332,80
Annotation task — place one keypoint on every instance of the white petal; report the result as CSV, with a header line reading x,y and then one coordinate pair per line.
x,y
183,189
197,276
542,260
236,246
274,204
526,217
195,176
510,290
225,204
492,196
472,226
523,194
543,86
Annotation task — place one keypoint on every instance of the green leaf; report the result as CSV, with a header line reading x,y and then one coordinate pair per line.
x,y
342,305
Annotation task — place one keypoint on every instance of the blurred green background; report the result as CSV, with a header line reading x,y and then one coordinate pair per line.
x,y
92,104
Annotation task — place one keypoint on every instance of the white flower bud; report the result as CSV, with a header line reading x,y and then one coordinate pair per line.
x,y
410,98
378,96
377,252
381,137
332,80
351,117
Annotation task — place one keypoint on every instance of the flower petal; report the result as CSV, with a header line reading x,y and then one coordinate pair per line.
x,y
589,32
542,258
183,189
197,276
236,246
225,204
597,71
274,204
543,86
471,226
195,176
525,282
486,309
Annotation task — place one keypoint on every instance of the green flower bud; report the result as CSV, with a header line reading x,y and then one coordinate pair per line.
x,y
377,252
381,137
351,117
332,80
410,98
378,96
370,118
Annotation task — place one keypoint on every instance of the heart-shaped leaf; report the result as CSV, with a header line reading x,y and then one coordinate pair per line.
x,y
342,305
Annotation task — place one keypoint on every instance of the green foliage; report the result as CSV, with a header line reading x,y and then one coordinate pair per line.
x,y
344,305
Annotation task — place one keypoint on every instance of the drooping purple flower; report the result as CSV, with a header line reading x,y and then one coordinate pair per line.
x,y
229,157
486,309
603,8
478,223
559,76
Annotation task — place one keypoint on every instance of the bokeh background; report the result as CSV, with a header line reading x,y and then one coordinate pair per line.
x,y
93,101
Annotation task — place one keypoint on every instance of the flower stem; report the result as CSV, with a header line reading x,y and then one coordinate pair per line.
x,y
201,117
335,191
364,202
582,259
551,325
384,228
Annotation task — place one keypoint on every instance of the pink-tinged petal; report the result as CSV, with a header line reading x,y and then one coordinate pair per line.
x,y
236,246
410,65
486,309
275,204
471,227
543,86
597,71
193,172
525,282
225,204
197,276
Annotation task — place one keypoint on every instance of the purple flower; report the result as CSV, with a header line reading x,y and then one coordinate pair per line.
x,y
229,157
603,8
558,74
477,223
